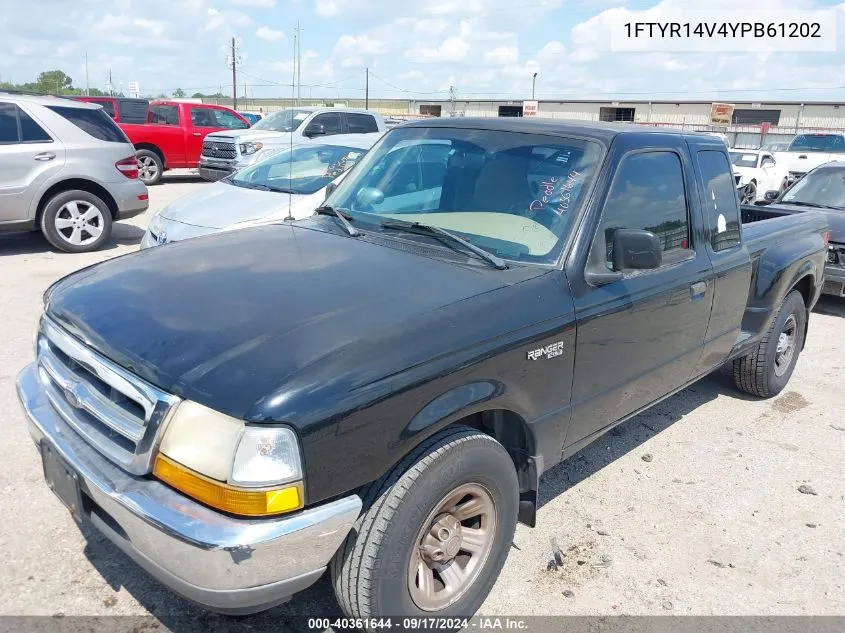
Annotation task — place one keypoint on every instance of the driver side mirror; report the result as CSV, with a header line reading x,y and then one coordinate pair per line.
x,y
315,129
330,189
635,249
767,163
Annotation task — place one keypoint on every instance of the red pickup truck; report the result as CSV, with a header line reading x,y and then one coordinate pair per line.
x,y
173,134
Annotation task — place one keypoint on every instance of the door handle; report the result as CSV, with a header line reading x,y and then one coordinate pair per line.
x,y
697,291
44,156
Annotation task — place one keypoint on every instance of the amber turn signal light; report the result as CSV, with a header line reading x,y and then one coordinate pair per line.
x,y
240,501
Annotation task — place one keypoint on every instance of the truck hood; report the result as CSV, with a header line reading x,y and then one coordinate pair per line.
x,y
803,162
250,134
220,205
836,219
228,320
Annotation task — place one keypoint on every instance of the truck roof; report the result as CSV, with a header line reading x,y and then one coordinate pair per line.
x,y
48,100
331,109
598,130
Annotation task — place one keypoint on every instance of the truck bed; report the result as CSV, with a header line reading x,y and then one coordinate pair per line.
x,y
764,228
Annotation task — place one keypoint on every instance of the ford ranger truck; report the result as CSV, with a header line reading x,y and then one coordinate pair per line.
x,y
228,151
375,391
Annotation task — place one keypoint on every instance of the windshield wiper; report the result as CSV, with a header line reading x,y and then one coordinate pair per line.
x,y
814,205
340,215
425,229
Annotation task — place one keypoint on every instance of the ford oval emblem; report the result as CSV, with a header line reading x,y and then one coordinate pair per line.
x,y
72,395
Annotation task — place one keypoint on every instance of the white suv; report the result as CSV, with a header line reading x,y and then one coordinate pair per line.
x,y
67,170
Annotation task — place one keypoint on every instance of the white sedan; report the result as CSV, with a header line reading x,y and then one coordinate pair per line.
x,y
758,173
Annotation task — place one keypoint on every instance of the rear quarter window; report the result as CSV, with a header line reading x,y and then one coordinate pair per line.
x,y
361,123
95,123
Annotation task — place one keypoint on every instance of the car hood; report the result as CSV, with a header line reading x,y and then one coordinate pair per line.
x,y
229,319
251,134
836,219
220,205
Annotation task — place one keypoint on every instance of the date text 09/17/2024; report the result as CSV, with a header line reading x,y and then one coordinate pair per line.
x,y
421,624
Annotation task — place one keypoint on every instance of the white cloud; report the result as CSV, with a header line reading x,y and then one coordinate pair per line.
x,y
270,35
255,3
360,45
450,50
502,55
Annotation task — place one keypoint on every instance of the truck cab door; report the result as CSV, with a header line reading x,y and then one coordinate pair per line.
x,y
169,133
722,239
639,332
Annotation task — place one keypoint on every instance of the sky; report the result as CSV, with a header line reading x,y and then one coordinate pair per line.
x,y
414,50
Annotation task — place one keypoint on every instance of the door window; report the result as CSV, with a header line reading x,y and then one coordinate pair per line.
x,y
361,123
229,120
16,126
108,106
721,207
648,194
95,123
164,114
330,122
203,117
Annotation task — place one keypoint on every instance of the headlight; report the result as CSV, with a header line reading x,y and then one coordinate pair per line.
x,y
155,224
250,147
227,464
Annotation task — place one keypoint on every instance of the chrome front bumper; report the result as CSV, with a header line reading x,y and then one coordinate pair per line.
x,y
229,565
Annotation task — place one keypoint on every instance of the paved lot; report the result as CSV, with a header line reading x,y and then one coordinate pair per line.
x,y
692,508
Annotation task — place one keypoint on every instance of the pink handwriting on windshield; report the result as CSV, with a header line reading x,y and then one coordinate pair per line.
x,y
550,187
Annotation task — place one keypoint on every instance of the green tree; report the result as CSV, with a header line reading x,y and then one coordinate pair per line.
x,y
197,95
53,82
179,93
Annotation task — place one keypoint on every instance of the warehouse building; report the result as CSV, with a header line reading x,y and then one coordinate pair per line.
x,y
747,124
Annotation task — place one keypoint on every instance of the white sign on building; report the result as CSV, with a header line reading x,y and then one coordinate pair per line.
x,y
134,89
530,108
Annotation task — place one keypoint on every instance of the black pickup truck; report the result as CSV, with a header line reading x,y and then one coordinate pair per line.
x,y
377,389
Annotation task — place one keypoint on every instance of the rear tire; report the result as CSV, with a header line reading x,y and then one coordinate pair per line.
x,y
76,221
411,530
766,371
150,167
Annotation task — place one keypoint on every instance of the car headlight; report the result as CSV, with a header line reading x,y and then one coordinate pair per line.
x,y
155,224
250,147
243,469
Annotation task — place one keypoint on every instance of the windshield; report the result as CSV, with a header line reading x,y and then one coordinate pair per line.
x,y
302,170
818,143
821,186
515,195
740,159
283,121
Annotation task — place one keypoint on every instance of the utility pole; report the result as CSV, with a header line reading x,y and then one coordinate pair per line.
x,y
293,81
298,63
533,85
87,84
111,85
234,77
367,91
452,98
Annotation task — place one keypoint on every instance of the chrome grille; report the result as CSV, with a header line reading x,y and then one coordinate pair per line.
x,y
218,149
116,412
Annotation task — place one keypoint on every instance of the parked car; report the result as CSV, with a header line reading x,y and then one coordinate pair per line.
x,y
252,117
808,151
822,189
378,389
758,173
121,109
289,183
67,170
223,153
173,135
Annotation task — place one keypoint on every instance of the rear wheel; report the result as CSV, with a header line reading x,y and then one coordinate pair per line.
x,y
150,166
765,371
76,221
435,532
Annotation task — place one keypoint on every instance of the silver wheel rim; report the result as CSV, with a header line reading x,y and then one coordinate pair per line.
x,y
147,168
79,223
786,345
451,547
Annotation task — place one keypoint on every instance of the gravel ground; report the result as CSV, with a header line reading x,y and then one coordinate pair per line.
x,y
692,508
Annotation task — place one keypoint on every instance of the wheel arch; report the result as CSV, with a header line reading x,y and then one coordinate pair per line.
x,y
72,184
154,149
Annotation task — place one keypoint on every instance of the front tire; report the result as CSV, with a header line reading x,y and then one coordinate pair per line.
x,y
76,221
150,167
435,532
766,371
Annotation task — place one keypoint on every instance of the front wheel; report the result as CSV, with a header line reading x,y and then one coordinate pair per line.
x,y
435,532
765,371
